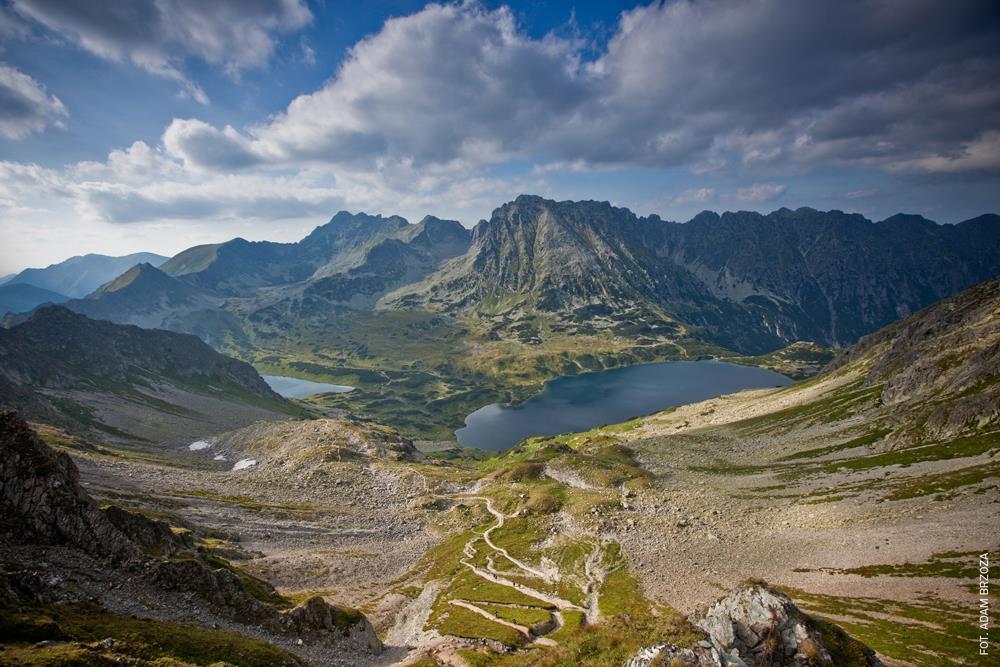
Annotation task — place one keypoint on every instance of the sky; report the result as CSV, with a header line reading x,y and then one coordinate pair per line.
x,y
155,125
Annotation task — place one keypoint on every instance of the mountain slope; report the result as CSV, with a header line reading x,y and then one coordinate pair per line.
x,y
940,366
81,275
21,297
126,383
831,277
865,492
73,557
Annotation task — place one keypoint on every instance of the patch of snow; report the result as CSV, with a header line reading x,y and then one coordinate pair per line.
x,y
243,464
199,445
219,457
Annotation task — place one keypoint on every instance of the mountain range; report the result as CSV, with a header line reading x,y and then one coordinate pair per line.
x,y
79,276
745,281
22,297
542,288
869,478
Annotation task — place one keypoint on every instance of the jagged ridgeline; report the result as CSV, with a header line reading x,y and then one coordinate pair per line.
x,y
431,320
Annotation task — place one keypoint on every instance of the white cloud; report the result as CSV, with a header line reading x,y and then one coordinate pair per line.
x,y
420,114
706,86
158,35
694,195
761,192
25,106
199,144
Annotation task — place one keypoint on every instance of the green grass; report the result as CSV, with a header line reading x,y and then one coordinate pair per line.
x,y
950,564
973,445
461,622
622,595
172,644
612,642
860,441
241,501
468,586
573,621
947,485
525,617
926,632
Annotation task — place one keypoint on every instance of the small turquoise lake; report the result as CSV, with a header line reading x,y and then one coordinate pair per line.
x,y
581,402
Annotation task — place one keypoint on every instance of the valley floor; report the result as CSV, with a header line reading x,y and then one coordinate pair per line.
x,y
666,513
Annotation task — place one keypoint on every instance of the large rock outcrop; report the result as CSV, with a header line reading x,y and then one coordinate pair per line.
x,y
41,500
757,626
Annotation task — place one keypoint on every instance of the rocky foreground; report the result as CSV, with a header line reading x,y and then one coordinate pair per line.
x,y
77,561
64,556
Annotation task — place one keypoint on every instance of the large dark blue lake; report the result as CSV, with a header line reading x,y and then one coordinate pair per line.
x,y
581,402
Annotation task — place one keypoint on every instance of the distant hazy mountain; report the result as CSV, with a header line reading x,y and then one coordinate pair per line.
x,y
81,275
20,298
144,296
239,267
349,262
124,382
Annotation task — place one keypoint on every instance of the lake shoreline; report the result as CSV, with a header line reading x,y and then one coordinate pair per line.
x,y
583,401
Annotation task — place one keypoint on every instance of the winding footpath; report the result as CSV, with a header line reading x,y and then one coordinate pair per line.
x,y
593,572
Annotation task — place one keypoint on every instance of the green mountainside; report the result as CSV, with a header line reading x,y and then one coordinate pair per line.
x,y
431,321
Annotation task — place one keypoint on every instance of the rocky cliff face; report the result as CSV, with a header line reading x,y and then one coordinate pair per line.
x,y
749,280
830,276
41,499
